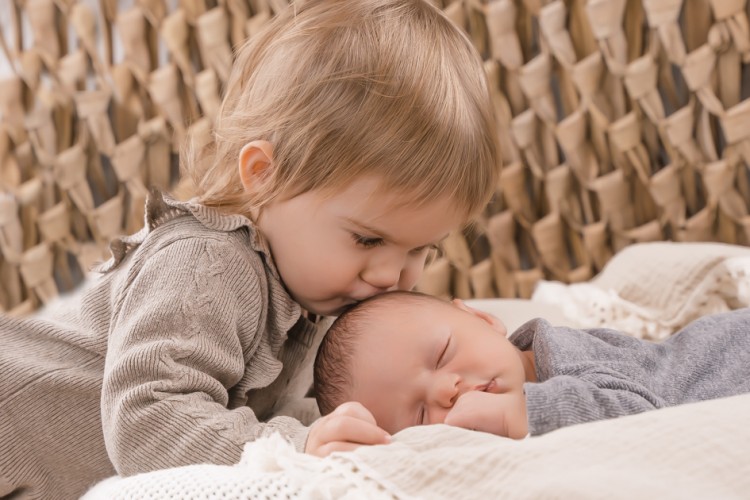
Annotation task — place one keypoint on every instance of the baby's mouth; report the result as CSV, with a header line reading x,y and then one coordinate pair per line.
x,y
490,386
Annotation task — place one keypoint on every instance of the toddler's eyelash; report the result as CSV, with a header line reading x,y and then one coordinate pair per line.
x,y
367,242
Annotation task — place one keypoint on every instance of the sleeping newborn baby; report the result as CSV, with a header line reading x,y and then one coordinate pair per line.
x,y
413,359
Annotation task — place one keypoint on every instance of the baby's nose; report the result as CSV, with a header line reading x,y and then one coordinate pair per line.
x,y
445,390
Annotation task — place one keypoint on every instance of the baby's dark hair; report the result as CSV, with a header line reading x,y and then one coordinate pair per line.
x,y
333,363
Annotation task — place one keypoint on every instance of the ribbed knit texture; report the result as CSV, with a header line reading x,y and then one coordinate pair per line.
x,y
171,357
594,374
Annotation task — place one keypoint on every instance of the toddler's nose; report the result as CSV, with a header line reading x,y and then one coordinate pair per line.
x,y
384,276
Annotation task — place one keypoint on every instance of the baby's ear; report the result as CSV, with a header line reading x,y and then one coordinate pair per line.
x,y
491,319
255,165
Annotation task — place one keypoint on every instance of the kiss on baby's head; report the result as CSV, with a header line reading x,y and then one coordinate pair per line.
x,y
409,357
362,128
353,136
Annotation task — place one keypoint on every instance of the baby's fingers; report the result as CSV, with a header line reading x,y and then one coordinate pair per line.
x,y
329,448
470,409
353,430
356,410
332,431
459,417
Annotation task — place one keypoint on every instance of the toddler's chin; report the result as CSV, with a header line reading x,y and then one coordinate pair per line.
x,y
324,308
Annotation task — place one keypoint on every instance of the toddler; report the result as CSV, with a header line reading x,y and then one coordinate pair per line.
x,y
353,136
413,359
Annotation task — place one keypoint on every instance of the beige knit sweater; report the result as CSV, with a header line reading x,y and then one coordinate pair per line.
x,y
172,356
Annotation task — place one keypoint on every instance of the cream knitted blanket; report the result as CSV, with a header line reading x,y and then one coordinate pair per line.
x,y
651,290
700,450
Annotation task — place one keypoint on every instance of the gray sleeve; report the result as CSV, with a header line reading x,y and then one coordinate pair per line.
x,y
566,400
174,351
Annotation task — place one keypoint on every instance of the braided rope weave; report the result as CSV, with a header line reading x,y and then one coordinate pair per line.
x,y
620,121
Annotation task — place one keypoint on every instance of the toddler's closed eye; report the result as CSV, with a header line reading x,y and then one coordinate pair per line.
x,y
366,241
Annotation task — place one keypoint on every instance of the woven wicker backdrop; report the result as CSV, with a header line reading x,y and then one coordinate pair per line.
x,y
620,121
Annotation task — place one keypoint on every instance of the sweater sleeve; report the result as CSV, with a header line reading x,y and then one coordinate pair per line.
x,y
182,330
566,400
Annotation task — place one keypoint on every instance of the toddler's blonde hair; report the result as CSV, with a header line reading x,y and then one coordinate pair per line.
x,y
344,89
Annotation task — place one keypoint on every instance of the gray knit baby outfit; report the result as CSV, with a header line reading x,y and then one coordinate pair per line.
x,y
587,375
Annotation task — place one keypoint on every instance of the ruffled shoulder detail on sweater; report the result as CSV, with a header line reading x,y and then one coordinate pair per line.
x,y
162,208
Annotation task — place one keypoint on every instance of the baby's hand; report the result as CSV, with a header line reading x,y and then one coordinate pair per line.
x,y
347,427
501,414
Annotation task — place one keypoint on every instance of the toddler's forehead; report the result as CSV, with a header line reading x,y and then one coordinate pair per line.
x,y
373,187
388,191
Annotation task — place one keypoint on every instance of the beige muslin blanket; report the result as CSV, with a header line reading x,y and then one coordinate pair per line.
x,y
699,450
651,290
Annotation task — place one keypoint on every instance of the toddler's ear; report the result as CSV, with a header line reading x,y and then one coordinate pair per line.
x,y
255,164
491,319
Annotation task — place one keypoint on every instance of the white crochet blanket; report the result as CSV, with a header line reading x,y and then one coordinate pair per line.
x,y
651,290
699,450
